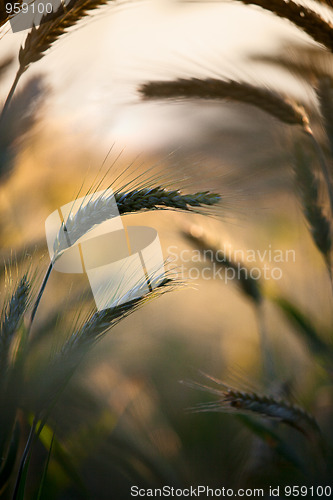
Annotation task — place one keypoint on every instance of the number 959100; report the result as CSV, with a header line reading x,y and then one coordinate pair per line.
x,y
33,7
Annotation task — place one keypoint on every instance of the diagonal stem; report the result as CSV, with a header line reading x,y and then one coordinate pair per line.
x,y
11,93
40,293
24,458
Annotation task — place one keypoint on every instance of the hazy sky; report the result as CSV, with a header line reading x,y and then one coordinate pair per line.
x,y
94,71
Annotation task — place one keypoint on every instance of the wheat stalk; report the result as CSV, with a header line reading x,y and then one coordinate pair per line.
x,y
304,18
233,400
99,210
309,187
268,101
42,37
211,88
155,198
67,359
249,286
11,319
102,321
52,27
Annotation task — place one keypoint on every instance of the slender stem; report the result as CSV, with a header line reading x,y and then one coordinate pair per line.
x,y
329,269
40,293
11,93
323,165
24,458
267,360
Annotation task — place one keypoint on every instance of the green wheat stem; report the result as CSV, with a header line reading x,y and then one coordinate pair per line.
x,y
24,457
40,293
267,359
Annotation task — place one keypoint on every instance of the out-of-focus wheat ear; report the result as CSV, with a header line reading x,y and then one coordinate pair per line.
x,y
242,276
11,318
239,402
66,360
271,102
303,17
41,38
308,185
305,328
102,321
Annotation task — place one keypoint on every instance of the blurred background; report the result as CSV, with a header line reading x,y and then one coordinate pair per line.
x,y
124,418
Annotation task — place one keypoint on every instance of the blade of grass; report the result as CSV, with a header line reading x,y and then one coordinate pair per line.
x,y
42,483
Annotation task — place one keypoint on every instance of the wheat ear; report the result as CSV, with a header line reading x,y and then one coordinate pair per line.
x,y
155,198
67,359
233,400
99,210
42,37
249,286
12,316
271,102
211,88
304,18
102,321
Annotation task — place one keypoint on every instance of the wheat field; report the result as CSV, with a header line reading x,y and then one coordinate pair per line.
x,y
214,368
